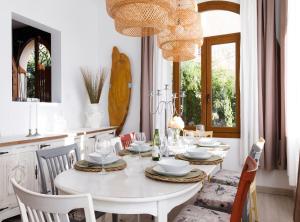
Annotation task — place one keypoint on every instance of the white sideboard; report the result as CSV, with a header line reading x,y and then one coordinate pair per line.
x,y
18,160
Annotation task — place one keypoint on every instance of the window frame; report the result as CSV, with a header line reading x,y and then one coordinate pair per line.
x,y
225,132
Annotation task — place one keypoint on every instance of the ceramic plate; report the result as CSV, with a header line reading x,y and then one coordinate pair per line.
x,y
158,169
141,148
202,157
215,144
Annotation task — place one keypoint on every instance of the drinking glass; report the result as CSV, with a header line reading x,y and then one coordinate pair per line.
x,y
201,129
104,148
140,139
164,147
189,138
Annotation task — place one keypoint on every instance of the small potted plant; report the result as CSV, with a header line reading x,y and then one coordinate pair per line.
x,y
94,84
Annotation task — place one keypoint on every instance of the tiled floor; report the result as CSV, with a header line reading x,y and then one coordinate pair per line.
x,y
272,208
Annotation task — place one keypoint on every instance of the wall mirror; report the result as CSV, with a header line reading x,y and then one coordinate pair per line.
x,y
33,62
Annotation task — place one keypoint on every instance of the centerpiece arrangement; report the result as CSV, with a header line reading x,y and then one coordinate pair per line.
x,y
94,84
176,124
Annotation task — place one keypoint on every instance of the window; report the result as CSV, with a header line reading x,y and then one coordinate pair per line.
x,y
36,61
211,81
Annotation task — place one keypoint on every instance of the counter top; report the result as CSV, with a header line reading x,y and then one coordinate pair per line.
x,y
19,140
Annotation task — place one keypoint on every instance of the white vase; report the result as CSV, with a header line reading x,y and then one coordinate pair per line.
x,y
93,116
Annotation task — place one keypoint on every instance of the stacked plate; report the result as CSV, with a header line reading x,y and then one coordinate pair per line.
x,y
172,167
97,159
142,148
208,142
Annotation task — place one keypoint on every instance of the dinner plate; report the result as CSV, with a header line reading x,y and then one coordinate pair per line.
x,y
215,144
158,169
140,148
96,158
202,157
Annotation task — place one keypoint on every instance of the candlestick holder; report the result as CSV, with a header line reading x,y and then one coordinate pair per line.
x,y
165,104
36,132
29,133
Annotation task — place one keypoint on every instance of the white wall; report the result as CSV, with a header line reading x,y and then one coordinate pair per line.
x,y
130,46
87,38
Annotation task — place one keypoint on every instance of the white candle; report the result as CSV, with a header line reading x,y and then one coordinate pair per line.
x,y
36,115
30,115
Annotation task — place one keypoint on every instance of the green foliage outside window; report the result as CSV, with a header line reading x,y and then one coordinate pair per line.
x,y
44,59
191,85
223,95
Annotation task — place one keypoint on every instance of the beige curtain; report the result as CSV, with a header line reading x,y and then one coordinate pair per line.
x,y
271,59
146,121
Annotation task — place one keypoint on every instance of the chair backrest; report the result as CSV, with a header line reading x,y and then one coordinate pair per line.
x,y
37,207
297,198
126,140
247,177
117,143
197,133
257,149
56,161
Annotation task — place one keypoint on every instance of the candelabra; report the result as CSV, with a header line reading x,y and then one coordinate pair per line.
x,y
165,104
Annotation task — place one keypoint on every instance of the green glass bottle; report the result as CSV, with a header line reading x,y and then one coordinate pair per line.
x,y
156,146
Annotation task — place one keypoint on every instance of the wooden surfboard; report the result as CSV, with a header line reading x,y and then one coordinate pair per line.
x,y
120,89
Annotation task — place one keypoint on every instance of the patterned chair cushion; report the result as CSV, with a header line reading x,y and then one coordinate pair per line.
x,y
199,214
78,215
217,197
226,177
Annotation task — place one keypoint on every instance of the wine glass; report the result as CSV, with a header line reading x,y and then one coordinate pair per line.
x,y
139,139
104,148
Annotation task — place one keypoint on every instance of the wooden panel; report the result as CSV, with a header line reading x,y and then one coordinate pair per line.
x,y
219,5
216,40
120,89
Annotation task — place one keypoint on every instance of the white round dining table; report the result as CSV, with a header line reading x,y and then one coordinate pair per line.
x,y
129,191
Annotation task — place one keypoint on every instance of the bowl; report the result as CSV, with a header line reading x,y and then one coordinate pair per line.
x,y
140,147
172,165
208,142
197,152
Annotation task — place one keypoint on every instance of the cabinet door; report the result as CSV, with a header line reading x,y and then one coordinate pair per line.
x,y
21,166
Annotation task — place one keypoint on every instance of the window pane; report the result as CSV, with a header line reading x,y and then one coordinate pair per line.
x,y
224,85
190,72
219,22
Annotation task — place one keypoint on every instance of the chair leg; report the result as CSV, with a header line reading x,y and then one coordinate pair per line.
x,y
250,212
115,218
254,197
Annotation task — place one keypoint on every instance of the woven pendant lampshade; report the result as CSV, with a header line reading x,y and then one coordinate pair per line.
x,y
181,54
180,43
181,39
184,14
140,17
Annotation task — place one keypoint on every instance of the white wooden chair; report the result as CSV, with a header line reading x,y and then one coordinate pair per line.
x,y
37,207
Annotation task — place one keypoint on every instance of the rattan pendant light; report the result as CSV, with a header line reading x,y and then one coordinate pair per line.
x,y
140,17
185,13
180,54
181,43
181,39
